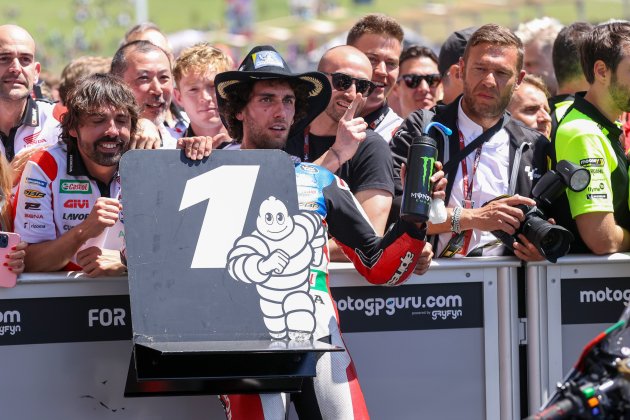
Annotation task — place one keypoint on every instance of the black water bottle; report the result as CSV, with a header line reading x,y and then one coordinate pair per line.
x,y
416,199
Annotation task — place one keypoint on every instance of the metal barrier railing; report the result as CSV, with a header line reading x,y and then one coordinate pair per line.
x,y
454,328
568,304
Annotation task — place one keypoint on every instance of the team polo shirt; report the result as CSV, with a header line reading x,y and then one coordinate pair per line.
x,y
589,139
56,193
37,127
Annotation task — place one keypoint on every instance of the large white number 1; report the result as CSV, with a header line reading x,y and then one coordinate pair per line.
x,y
226,211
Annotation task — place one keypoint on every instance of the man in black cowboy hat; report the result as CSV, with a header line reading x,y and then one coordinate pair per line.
x,y
261,104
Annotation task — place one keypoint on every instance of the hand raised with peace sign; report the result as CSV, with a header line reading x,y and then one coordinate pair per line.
x,y
350,132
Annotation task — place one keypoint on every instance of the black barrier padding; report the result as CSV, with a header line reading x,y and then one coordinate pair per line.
x,y
64,319
412,307
593,300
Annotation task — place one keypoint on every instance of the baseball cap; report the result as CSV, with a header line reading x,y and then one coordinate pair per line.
x,y
453,48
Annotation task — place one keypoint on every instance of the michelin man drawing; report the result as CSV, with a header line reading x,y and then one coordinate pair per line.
x,y
277,257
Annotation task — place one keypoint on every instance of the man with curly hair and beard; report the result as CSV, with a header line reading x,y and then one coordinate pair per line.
x,y
262,104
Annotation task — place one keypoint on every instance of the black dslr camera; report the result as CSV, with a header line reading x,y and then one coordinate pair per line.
x,y
552,241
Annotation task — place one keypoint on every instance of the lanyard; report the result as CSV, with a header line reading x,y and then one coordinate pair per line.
x,y
468,187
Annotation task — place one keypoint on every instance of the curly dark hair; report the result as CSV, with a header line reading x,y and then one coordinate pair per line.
x,y
92,93
240,94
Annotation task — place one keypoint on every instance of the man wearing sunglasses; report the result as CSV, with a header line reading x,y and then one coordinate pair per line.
x,y
419,85
380,38
340,142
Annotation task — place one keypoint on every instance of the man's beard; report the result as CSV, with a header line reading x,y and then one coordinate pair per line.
x,y
619,93
487,111
105,159
263,141
156,118
261,138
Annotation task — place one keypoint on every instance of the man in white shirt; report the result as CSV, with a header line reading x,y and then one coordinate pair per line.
x,y
508,159
67,200
380,38
24,122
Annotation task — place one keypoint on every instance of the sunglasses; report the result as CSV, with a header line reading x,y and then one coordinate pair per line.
x,y
413,80
343,82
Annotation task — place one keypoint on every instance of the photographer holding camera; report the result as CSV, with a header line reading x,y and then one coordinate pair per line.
x,y
589,134
488,154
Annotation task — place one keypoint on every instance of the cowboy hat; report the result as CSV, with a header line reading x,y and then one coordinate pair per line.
x,y
265,63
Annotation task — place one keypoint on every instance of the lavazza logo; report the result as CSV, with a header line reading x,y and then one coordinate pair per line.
x,y
438,307
10,322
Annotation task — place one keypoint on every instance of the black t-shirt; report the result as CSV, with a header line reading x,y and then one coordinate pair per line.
x,y
371,167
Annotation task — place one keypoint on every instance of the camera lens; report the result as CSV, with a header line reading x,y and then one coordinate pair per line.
x,y
4,240
550,239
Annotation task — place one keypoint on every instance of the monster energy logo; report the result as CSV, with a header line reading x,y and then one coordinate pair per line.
x,y
427,165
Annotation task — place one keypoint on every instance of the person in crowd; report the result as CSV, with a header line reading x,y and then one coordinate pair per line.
x,y
566,63
66,204
380,38
262,104
174,118
589,135
76,69
25,123
363,159
488,155
15,257
538,36
47,87
448,63
568,69
194,73
419,84
148,31
530,104
146,68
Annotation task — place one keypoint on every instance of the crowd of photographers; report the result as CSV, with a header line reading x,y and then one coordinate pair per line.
x,y
536,162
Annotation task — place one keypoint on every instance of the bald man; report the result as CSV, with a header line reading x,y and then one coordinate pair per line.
x,y
342,142
24,122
